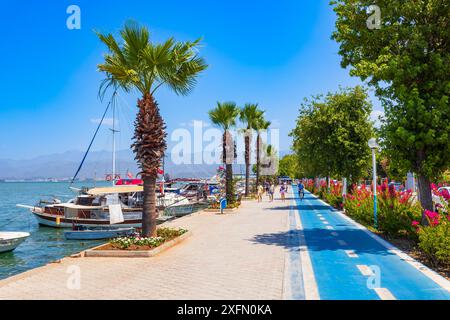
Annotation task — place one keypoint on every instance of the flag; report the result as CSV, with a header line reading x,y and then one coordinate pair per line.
x,y
129,175
160,171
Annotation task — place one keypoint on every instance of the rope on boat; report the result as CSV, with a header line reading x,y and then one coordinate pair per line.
x,y
93,138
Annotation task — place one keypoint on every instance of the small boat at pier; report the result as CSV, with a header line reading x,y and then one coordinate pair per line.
x,y
97,233
11,240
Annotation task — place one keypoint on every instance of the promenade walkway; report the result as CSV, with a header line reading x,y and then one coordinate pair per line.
x,y
223,259
270,250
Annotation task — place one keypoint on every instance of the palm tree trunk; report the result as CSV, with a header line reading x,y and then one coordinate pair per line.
x,y
229,185
228,167
247,165
149,146
149,213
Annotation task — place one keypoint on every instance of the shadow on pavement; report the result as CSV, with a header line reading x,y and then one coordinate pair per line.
x,y
323,240
302,207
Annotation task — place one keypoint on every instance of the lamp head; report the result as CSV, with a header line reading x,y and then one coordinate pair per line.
x,y
373,144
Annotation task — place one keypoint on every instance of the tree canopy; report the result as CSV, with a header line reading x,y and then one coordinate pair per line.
x,y
407,61
331,135
288,166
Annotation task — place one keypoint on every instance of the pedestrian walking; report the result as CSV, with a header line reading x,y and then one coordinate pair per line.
x,y
283,192
271,192
260,192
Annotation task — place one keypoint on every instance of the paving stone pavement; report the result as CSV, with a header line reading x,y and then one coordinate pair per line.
x,y
225,258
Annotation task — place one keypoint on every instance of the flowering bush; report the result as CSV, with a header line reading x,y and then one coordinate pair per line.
x,y
434,238
396,210
319,189
359,206
163,235
334,197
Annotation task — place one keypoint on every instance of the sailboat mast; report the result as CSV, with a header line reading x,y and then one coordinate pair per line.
x,y
114,148
114,140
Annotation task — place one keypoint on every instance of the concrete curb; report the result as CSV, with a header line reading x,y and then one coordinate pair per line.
x,y
94,252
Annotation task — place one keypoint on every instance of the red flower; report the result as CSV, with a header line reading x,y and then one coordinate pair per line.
x,y
392,192
415,223
433,217
445,194
431,214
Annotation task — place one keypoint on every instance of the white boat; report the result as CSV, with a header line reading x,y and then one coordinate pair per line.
x,y
97,233
91,208
11,240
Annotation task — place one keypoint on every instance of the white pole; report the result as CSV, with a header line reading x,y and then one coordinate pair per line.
x,y
374,164
344,187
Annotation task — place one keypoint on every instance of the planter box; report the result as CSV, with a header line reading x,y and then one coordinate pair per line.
x,y
95,252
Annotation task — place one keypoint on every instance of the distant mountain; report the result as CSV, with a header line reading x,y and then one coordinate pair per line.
x,y
97,165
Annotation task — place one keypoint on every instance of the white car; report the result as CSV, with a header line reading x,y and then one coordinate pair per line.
x,y
437,199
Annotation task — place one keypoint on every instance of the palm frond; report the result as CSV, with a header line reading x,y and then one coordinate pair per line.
x,y
249,114
261,124
147,66
224,115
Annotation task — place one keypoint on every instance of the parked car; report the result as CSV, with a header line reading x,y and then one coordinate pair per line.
x,y
397,186
441,189
437,199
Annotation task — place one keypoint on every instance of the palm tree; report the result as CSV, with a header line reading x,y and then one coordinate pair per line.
x,y
249,115
224,116
260,125
136,63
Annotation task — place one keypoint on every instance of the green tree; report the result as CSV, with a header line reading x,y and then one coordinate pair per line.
x,y
289,167
134,62
224,116
332,132
407,61
249,115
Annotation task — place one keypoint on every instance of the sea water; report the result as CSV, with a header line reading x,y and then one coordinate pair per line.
x,y
45,244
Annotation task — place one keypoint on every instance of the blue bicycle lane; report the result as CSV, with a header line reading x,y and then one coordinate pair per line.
x,y
350,264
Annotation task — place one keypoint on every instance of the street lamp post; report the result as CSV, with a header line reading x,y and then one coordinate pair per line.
x,y
373,145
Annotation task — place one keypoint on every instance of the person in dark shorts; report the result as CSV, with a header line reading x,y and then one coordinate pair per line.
x,y
301,190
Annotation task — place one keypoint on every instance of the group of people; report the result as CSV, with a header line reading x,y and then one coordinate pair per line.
x,y
269,189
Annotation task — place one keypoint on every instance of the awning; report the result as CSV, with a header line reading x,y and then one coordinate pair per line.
x,y
116,189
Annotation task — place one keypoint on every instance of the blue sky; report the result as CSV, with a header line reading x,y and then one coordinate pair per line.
x,y
274,53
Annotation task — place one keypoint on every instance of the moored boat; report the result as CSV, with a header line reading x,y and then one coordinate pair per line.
x,y
11,240
97,233
91,208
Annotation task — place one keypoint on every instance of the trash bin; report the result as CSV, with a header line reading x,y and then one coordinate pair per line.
x,y
223,204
